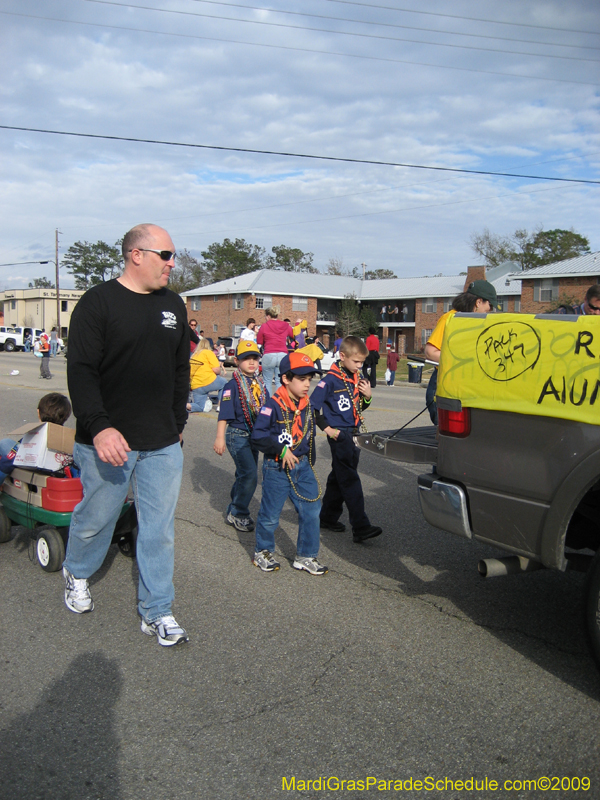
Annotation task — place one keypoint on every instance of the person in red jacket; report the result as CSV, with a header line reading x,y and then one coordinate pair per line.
x,y
370,365
392,364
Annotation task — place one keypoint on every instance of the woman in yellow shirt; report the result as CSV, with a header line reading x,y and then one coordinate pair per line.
x,y
206,375
480,298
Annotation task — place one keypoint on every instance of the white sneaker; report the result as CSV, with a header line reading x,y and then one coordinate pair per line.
x,y
77,593
166,630
310,565
264,560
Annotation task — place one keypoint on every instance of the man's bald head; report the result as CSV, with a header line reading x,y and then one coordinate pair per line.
x,y
140,236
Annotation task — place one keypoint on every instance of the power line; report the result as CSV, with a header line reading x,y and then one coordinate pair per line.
x,y
296,155
379,37
458,16
303,49
345,19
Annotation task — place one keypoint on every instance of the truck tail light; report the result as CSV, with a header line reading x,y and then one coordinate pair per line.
x,y
454,423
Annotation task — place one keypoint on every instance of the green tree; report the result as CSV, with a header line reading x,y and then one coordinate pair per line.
x,y
42,283
378,274
368,319
188,273
348,317
529,249
292,259
228,259
92,263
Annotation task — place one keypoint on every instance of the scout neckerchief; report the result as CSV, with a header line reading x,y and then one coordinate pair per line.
x,y
351,384
253,395
296,433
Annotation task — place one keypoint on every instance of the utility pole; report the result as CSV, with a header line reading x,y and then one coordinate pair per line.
x,y
364,266
57,286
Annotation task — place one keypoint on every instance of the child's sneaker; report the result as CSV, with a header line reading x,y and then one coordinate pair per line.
x,y
244,524
166,630
77,593
310,565
265,561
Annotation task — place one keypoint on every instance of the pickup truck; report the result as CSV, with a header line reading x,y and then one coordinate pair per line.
x,y
516,455
12,338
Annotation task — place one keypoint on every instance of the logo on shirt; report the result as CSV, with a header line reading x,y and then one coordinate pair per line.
x,y
285,438
169,320
227,393
344,404
321,385
266,411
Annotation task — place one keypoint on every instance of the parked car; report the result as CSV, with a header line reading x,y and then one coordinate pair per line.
x,y
230,343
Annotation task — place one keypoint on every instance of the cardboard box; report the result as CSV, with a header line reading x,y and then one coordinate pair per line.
x,y
44,446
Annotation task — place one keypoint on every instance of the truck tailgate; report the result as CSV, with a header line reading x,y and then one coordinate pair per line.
x,y
411,445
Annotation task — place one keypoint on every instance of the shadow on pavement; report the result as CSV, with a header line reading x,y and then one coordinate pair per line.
x,y
67,746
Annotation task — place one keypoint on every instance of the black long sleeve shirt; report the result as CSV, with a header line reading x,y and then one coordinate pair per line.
x,y
128,365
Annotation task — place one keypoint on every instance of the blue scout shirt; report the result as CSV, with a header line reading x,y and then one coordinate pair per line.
x,y
334,397
231,407
271,434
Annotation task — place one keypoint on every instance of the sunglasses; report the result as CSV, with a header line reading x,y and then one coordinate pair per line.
x,y
594,308
166,255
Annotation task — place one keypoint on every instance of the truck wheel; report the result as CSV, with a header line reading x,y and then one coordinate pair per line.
x,y
4,526
592,607
49,548
9,345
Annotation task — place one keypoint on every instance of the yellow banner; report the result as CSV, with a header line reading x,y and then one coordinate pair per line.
x,y
520,363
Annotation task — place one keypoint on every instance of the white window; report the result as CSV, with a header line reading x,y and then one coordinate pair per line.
x,y
215,298
517,306
13,305
238,301
237,329
299,303
429,305
264,300
502,303
545,290
425,334
195,303
447,304
215,328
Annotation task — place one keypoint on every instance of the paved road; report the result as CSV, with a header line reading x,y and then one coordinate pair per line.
x,y
400,663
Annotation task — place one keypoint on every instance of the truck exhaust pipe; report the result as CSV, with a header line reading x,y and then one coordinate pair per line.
x,y
510,565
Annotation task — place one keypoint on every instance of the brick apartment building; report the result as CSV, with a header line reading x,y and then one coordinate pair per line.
x,y
222,308
564,282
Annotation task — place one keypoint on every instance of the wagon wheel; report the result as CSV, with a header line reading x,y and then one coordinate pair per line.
x,y
49,548
4,526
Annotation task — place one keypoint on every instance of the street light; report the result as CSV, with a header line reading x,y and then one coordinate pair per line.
x,y
48,261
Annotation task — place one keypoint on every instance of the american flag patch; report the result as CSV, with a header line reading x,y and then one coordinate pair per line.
x,y
266,411
321,385
227,393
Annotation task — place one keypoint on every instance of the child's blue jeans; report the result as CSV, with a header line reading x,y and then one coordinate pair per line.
x,y
275,488
245,458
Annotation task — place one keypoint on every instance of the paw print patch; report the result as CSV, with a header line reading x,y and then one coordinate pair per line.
x,y
344,404
285,438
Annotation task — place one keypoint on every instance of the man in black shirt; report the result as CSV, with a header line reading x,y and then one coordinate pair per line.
x,y
128,375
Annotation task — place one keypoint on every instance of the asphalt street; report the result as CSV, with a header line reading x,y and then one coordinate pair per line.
x,y
401,663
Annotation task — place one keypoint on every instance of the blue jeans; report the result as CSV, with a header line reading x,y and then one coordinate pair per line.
x,y
53,349
392,377
156,477
270,370
245,458
199,394
27,346
275,488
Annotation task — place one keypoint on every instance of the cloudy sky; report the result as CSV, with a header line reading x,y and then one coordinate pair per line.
x,y
511,87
